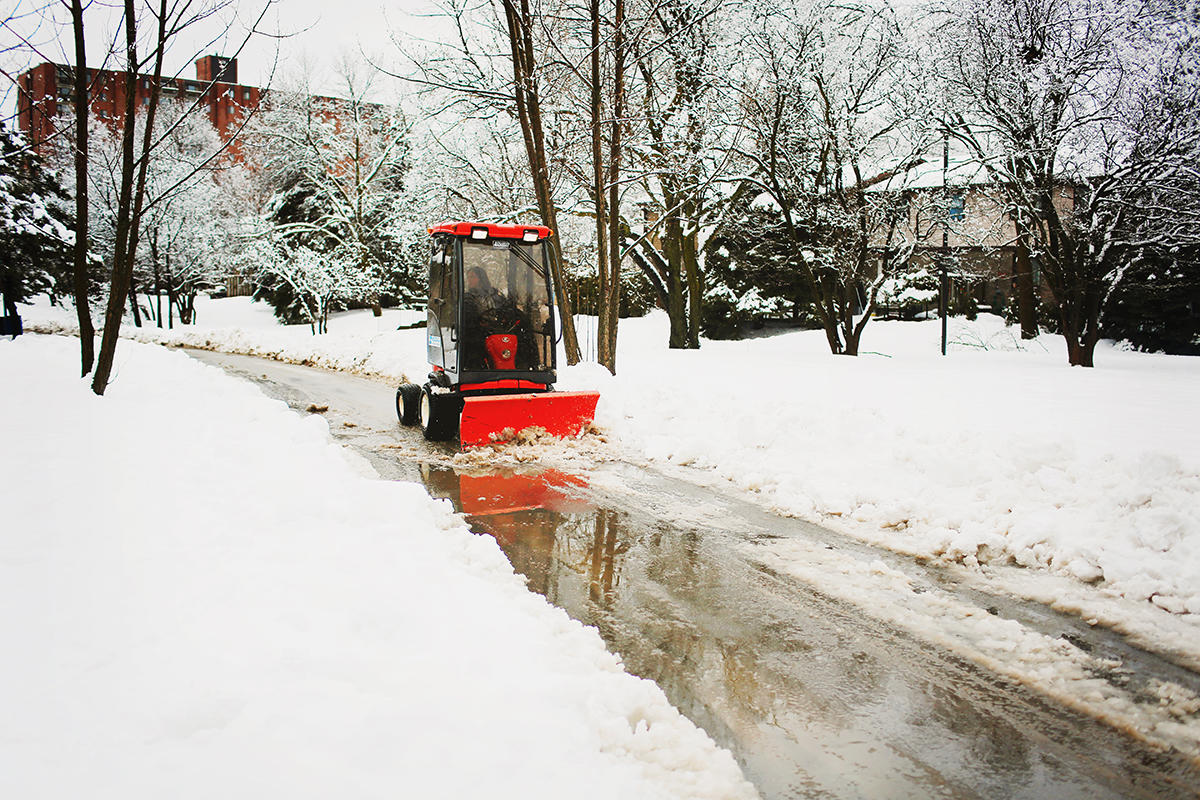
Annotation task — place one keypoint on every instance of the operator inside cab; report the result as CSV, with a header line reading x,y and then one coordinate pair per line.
x,y
489,311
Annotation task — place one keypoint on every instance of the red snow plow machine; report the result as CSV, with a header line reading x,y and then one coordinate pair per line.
x,y
491,340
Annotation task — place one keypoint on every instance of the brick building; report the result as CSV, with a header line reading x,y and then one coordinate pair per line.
x,y
47,91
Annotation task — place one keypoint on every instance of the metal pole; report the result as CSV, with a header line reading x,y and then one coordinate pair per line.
x,y
944,300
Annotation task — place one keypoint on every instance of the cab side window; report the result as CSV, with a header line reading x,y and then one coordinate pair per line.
x,y
441,281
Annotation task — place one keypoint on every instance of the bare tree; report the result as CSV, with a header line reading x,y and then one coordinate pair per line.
x,y
823,132
1048,104
632,93
492,72
169,19
522,22
83,311
606,167
684,64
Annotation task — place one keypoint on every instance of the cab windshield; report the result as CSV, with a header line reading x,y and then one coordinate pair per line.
x,y
506,292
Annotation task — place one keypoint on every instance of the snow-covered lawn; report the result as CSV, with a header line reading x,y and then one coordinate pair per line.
x,y
995,455
202,596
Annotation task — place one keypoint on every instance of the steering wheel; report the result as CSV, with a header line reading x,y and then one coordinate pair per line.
x,y
499,320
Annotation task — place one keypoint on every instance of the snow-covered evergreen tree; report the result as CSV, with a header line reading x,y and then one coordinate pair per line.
x,y
334,172
36,227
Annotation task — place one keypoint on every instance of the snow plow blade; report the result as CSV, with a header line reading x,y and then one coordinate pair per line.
x,y
500,418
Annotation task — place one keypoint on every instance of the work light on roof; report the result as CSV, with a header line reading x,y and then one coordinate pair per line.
x,y
479,233
530,235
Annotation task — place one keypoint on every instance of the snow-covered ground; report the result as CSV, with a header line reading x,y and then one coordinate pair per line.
x,y
202,596
1078,488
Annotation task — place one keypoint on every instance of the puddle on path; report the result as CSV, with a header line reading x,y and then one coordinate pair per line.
x,y
814,700
542,522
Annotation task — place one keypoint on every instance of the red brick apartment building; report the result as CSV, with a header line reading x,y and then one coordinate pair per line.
x,y
48,90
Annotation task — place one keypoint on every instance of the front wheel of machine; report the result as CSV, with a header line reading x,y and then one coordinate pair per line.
x,y
408,403
439,415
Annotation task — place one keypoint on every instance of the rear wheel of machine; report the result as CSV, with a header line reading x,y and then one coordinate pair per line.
x,y
439,415
408,403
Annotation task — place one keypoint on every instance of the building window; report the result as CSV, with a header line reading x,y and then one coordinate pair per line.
x,y
956,209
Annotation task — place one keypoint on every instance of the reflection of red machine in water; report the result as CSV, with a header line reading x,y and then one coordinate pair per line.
x,y
522,511
540,520
504,493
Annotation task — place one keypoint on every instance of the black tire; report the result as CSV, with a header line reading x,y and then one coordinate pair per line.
x,y
439,415
408,403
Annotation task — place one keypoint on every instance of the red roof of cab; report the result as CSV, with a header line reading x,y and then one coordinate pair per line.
x,y
494,231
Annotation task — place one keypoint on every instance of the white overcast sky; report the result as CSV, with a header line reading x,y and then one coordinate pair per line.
x,y
319,31
312,31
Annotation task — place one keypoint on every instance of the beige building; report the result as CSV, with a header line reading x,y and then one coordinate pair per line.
x,y
965,224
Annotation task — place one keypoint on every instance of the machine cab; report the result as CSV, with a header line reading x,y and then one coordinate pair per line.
x,y
491,306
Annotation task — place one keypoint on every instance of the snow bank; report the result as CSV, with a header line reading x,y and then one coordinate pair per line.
x,y
201,595
360,342
985,456
998,453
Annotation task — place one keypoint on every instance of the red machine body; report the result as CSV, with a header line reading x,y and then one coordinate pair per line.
x,y
491,340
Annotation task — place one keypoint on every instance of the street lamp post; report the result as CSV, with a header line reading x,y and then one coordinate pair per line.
x,y
944,295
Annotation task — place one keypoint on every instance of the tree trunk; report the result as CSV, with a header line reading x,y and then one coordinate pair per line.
x,y
610,299
845,294
129,215
119,279
520,35
691,267
158,287
133,303
1026,303
598,194
677,301
827,309
824,305
186,303
1081,328
853,330
87,333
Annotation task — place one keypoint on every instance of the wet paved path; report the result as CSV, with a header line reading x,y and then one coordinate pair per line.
x,y
816,699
